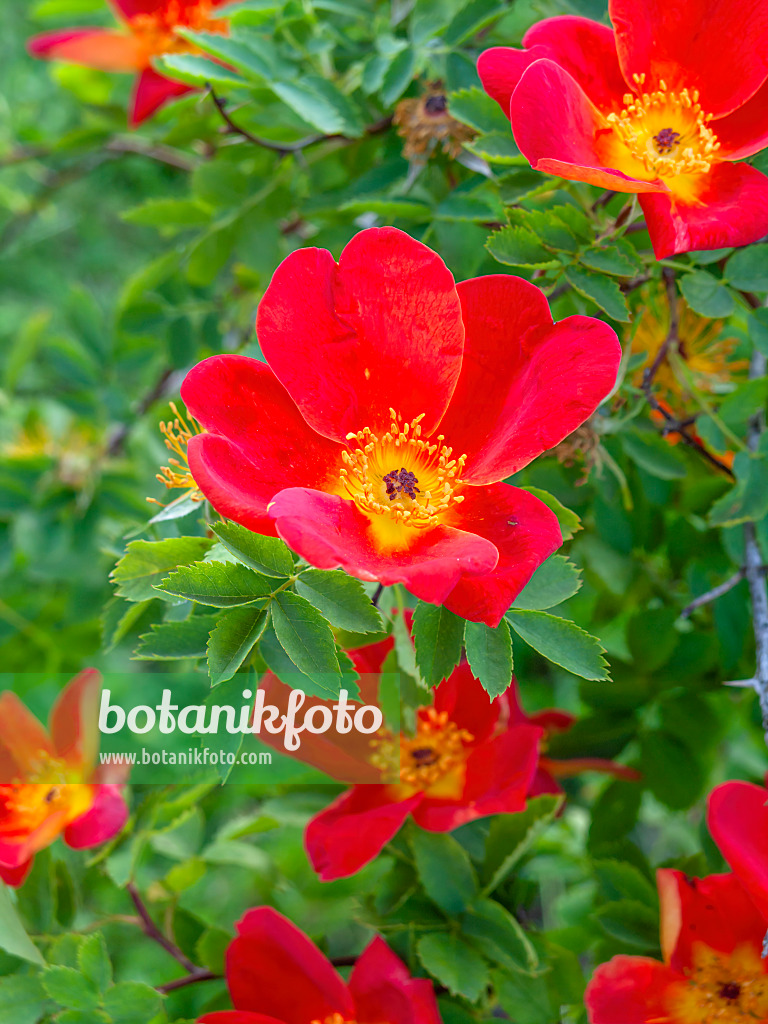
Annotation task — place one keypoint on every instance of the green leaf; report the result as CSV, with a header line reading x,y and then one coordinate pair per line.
x,y
232,50
518,247
437,637
747,500
470,19
94,962
561,641
22,999
603,291
747,269
395,207
69,988
210,254
511,835
444,869
183,213
653,454
631,922
498,935
220,584
267,555
476,108
398,76
454,964
610,260
489,652
193,69
13,938
570,523
306,638
672,770
620,880
524,998
554,581
146,562
171,641
758,330
277,661
615,812
341,599
132,1001
318,102
233,640
706,295
496,148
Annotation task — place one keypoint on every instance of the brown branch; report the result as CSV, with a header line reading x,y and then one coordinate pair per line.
x,y
713,594
286,148
157,391
137,146
189,979
753,559
153,932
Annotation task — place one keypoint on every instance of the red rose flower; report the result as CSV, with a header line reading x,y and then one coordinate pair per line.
x,y
738,820
391,404
711,939
469,758
276,975
48,784
150,30
661,105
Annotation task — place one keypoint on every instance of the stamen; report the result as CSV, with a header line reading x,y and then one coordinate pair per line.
x,y
688,148
438,747
176,474
158,29
418,491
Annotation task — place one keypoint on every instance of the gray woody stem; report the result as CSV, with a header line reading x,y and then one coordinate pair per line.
x,y
753,563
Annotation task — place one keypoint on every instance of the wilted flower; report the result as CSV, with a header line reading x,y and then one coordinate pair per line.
x,y
425,123
276,975
392,403
151,28
661,105
49,782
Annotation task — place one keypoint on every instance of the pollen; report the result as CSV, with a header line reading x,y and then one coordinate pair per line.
x,y
401,474
722,988
176,475
44,791
158,30
438,748
335,1018
668,131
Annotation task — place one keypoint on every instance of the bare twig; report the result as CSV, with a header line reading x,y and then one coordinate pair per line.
x,y
189,979
377,595
754,561
137,146
285,148
153,932
158,389
713,594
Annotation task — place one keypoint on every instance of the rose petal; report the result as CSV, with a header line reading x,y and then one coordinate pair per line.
x,y
738,820
561,132
92,47
15,876
630,989
274,970
22,737
330,532
728,206
525,382
381,329
101,822
524,531
350,833
719,47
151,92
75,719
383,989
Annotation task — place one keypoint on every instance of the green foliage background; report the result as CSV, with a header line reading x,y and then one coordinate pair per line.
x,y
126,258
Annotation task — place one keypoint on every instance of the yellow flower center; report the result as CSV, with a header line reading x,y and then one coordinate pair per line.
x,y
432,761
335,1018
722,988
401,475
157,30
45,792
176,474
667,131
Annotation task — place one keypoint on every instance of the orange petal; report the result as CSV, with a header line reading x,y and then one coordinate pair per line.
x,y
75,719
94,47
22,737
